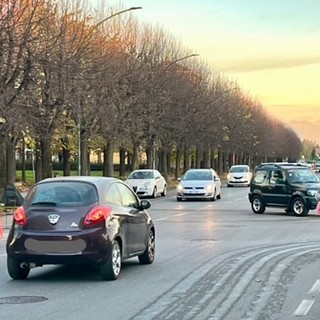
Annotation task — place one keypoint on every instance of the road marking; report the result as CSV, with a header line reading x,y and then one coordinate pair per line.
x,y
160,219
315,288
304,307
180,214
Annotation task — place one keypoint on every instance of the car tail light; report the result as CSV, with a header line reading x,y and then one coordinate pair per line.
x,y
97,214
19,216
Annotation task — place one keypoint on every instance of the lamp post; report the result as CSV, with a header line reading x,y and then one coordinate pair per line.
x,y
183,58
116,14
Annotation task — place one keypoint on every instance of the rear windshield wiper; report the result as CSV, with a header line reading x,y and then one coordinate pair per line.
x,y
44,203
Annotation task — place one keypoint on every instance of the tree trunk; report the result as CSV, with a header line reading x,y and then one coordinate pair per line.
x,y
186,163
149,154
38,163
177,173
198,158
11,161
66,162
163,160
84,163
108,160
3,162
122,169
45,145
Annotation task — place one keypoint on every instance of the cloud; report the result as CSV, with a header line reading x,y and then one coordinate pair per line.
x,y
269,63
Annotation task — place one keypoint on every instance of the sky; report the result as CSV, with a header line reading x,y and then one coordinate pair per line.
x,y
271,48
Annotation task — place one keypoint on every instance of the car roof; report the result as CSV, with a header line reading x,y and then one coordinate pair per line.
x,y
281,165
88,179
240,165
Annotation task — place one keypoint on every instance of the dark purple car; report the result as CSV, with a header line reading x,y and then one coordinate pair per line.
x,y
73,220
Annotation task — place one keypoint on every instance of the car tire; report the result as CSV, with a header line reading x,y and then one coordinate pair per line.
x,y
110,270
148,255
299,207
219,196
229,185
164,192
15,271
179,199
154,194
257,205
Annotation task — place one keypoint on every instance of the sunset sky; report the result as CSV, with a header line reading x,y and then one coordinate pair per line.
x,y
271,48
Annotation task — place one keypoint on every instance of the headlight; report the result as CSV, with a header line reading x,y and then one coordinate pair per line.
x,y
209,187
228,176
179,187
146,184
312,193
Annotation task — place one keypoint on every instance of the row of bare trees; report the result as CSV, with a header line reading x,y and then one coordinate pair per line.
x,y
73,78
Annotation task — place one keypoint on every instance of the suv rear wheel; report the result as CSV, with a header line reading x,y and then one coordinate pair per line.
x,y
257,205
298,207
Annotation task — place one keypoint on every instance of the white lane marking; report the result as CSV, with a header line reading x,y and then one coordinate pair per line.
x,y
315,288
180,214
303,308
160,219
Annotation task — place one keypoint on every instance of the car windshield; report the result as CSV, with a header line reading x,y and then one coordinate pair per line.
x,y
239,169
62,193
302,176
197,175
141,175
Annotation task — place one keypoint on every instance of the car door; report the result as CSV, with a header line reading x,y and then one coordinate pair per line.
x,y
277,190
137,220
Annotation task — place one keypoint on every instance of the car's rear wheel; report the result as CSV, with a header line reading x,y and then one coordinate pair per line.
x,y
15,271
164,192
298,207
148,255
257,205
110,270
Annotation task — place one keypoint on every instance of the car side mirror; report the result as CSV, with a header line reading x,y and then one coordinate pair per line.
x,y
145,204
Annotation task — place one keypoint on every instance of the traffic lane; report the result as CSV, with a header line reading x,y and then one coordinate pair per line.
x,y
59,285
285,244
189,247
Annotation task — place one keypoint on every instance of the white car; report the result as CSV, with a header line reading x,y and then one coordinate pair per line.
x,y
147,183
239,175
199,184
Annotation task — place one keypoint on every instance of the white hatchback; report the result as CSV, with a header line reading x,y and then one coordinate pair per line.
x,y
147,183
239,175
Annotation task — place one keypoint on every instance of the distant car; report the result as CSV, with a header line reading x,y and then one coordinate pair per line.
x,y
147,183
239,175
199,184
80,220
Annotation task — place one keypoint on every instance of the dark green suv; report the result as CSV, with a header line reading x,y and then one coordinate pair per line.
x,y
293,187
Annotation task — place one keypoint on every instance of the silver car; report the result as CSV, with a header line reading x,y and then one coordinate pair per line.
x,y
239,175
199,184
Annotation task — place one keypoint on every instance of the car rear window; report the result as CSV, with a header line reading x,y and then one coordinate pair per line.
x,y
62,193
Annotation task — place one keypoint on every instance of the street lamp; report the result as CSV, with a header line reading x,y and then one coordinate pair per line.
x,y
116,14
183,58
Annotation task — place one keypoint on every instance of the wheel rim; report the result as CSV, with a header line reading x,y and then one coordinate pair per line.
x,y
298,207
256,204
116,259
151,246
